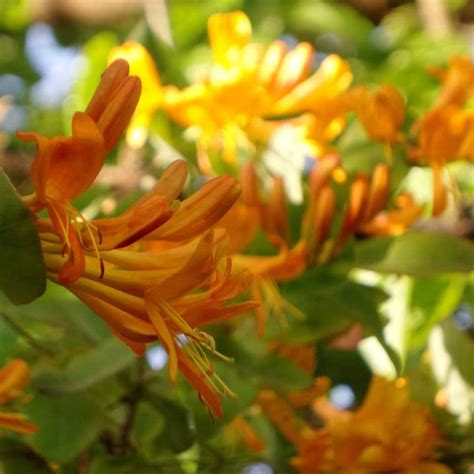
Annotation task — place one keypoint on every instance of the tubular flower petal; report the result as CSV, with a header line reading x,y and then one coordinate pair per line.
x,y
64,167
151,291
13,378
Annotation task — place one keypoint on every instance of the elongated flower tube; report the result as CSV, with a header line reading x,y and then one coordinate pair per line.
x,y
145,294
13,378
64,167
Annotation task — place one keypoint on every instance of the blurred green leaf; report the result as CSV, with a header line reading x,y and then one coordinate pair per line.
x,y
177,435
419,254
22,273
67,425
461,349
87,369
148,425
431,301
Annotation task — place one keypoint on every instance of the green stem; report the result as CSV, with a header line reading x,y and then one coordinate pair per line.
x,y
24,333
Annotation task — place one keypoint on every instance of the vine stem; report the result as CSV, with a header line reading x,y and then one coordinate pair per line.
x,y
24,333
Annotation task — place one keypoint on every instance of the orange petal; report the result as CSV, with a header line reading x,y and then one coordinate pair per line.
x,y
198,381
200,211
111,78
378,192
169,185
192,275
121,231
119,110
439,191
13,377
157,318
17,422
276,213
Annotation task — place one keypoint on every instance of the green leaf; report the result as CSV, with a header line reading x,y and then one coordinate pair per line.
x,y
87,369
461,349
433,300
419,254
148,425
67,425
177,435
22,273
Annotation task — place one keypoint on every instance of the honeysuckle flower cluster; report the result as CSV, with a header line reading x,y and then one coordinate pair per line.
x,y
144,292
387,433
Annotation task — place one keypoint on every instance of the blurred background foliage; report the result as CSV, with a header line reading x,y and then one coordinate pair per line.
x,y
100,409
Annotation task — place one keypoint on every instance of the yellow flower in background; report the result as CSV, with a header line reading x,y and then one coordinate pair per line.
x,y
143,66
13,378
249,88
388,433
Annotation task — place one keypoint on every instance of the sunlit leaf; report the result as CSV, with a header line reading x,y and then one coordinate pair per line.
x,y
419,254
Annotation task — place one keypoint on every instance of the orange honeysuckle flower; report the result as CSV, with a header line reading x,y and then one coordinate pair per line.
x,y
364,213
445,134
167,291
249,84
457,82
141,65
387,433
381,113
145,296
13,378
251,213
304,356
64,167
311,444
239,430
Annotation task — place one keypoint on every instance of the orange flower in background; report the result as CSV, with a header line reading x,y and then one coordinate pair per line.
x,y
13,378
311,444
388,433
444,134
256,212
381,112
64,167
457,82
